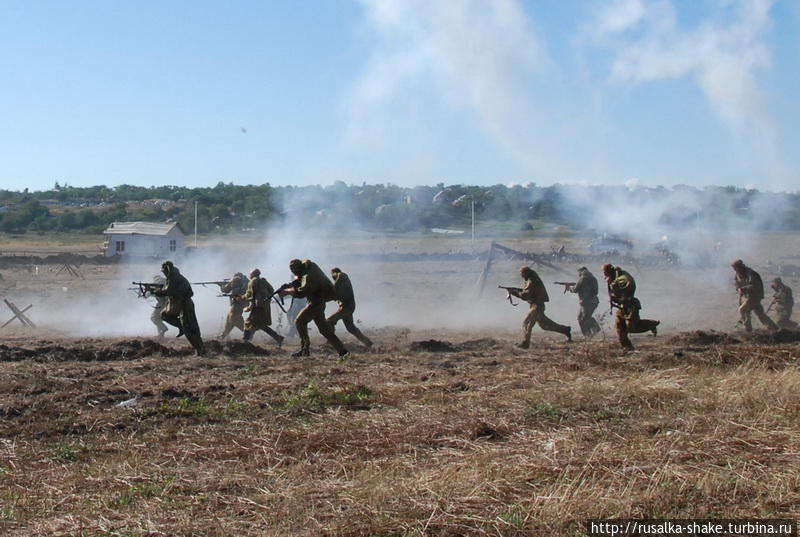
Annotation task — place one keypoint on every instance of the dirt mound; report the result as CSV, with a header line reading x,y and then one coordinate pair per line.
x,y
235,348
781,336
482,344
432,345
92,351
703,337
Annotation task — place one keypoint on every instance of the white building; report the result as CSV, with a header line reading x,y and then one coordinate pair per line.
x,y
143,239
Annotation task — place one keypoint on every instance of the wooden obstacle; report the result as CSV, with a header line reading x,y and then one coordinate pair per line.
x,y
510,253
18,314
70,269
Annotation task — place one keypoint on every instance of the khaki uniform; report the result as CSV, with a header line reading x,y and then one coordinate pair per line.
x,y
347,306
236,287
155,317
784,304
621,290
586,288
751,293
317,289
535,294
260,318
179,311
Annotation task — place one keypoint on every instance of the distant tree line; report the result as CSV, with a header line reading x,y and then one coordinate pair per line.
x,y
228,207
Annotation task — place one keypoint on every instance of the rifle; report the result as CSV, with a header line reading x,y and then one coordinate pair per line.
x,y
218,282
771,305
145,287
508,293
294,284
566,285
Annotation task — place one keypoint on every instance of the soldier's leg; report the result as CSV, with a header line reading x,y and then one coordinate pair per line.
x,y
171,314
336,317
758,309
591,322
551,326
347,319
155,318
230,323
744,313
301,324
191,327
527,326
622,330
326,330
585,322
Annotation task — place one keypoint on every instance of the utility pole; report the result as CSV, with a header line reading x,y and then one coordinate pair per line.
x,y
195,223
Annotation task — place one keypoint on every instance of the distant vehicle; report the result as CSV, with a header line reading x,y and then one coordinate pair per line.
x,y
610,243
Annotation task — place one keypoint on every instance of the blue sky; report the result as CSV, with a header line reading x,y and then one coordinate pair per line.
x,y
410,92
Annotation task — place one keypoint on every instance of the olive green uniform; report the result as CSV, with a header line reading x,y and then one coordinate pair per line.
x,y
535,294
347,306
784,304
317,289
621,291
586,288
751,293
258,294
235,287
179,311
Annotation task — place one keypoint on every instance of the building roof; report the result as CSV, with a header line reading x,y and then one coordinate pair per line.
x,y
140,228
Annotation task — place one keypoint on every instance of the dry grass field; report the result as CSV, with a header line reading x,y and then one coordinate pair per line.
x,y
444,428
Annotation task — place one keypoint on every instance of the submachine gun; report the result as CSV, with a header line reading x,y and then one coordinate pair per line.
x,y
567,285
146,288
508,293
219,282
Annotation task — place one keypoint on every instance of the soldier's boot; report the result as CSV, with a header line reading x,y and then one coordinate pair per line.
x,y
524,345
302,351
568,333
654,330
276,336
247,335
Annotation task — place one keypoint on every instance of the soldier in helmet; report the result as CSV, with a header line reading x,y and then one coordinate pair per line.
x,y
179,311
347,305
784,303
751,292
535,294
258,294
621,291
234,288
586,288
317,289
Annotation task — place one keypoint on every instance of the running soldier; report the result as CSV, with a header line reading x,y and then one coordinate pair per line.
x,y
751,292
621,291
179,311
784,303
161,302
234,288
586,288
535,294
258,294
317,289
347,305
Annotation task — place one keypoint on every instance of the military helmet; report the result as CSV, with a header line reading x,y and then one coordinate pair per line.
x,y
737,263
776,282
608,268
255,273
296,266
166,267
238,275
583,269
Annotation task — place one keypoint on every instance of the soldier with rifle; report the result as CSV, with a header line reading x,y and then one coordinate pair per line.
x,y
535,294
783,302
313,285
145,290
586,289
234,289
347,305
259,295
751,292
179,311
621,291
